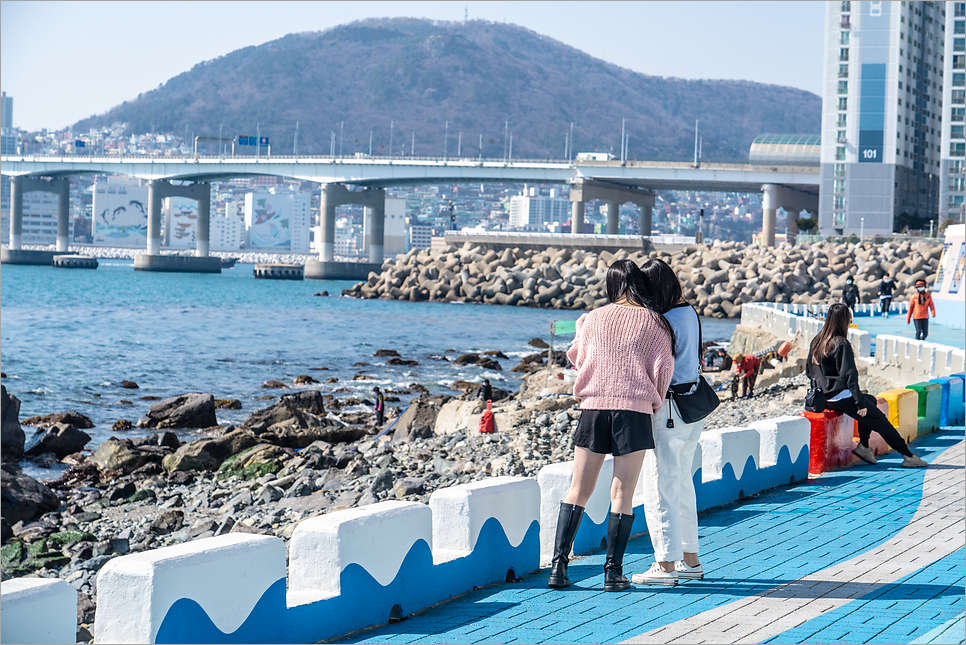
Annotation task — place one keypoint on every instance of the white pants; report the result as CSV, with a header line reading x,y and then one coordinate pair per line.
x,y
669,505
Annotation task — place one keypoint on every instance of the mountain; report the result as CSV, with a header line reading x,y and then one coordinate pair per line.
x,y
476,75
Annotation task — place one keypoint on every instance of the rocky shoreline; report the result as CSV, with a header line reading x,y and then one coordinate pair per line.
x,y
294,459
717,278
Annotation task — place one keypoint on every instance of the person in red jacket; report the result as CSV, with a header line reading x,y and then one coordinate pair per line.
x,y
747,368
919,308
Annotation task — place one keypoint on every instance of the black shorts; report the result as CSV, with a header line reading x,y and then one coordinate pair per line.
x,y
618,432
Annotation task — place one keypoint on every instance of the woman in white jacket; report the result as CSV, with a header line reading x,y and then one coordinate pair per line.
x,y
669,502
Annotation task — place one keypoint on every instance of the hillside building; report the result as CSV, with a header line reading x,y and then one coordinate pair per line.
x,y
537,211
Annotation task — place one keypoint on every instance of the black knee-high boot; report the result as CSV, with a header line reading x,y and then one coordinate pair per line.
x,y
618,533
568,519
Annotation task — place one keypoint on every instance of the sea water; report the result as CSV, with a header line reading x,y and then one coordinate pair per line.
x,y
68,337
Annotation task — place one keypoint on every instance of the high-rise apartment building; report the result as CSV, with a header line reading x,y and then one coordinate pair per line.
x,y
952,179
882,114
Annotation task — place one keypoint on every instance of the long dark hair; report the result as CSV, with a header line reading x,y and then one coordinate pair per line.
x,y
835,331
624,278
664,285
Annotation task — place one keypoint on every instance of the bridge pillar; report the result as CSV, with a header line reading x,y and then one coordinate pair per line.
x,y
327,209
577,218
645,221
377,227
204,219
16,213
613,217
63,210
769,206
155,195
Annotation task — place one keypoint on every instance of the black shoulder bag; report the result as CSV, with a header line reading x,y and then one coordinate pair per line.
x,y
695,400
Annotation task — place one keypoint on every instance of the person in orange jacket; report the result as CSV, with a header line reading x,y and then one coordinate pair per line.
x,y
919,308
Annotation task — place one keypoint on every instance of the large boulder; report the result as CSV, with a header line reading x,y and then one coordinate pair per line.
x,y
306,407
298,420
11,434
22,497
72,417
62,439
208,454
419,419
192,410
122,455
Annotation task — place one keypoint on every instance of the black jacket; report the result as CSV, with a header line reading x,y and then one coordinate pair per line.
x,y
851,295
886,288
836,372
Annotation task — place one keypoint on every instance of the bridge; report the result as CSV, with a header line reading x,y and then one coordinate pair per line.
x,y
613,182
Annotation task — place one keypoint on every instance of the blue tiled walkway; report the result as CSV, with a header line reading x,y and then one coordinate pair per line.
x,y
747,549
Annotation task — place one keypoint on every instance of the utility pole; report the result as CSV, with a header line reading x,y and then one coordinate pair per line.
x,y
459,146
295,147
696,163
570,151
445,140
258,139
341,135
412,149
390,138
510,158
622,140
506,129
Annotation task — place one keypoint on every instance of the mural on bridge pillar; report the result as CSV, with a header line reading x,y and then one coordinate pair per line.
x,y
120,215
181,222
269,220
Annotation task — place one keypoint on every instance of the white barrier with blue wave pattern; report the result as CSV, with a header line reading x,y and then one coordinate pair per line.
x,y
354,568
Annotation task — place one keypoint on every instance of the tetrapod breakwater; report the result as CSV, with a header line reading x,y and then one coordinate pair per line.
x,y
718,278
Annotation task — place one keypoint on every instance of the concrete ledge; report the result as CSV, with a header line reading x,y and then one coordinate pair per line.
x,y
318,270
903,412
929,407
34,258
830,445
74,262
278,272
957,410
226,576
377,537
783,456
459,513
177,264
729,468
38,610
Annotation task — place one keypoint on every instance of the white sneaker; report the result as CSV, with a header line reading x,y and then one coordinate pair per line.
x,y
692,573
655,576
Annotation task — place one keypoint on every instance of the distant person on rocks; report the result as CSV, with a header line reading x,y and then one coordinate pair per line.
x,y
919,308
831,363
851,294
486,391
669,501
380,406
746,368
886,289
624,355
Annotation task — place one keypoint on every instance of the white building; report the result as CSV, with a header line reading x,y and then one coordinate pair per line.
x,y
952,180
40,219
278,220
537,212
882,114
227,233
394,240
120,212
420,235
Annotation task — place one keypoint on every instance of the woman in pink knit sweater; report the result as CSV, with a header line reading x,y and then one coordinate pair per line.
x,y
624,358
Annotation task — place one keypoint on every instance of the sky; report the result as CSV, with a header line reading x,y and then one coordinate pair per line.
x,y
65,61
